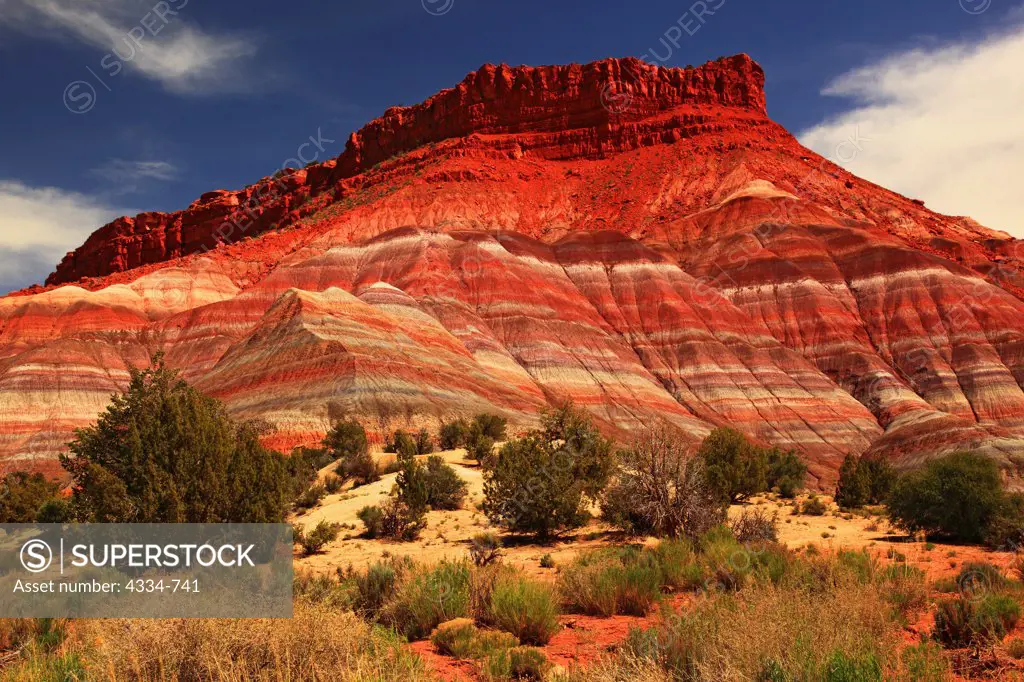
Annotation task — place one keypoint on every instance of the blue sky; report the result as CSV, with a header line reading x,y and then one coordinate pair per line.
x,y
225,91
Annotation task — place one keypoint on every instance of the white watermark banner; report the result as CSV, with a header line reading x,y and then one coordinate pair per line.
x,y
179,570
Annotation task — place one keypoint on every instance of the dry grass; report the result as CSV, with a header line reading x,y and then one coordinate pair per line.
x,y
819,618
318,644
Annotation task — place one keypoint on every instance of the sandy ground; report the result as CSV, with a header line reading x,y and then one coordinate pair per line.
x,y
448,533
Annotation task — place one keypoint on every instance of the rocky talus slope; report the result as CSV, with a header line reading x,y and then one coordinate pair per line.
x,y
641,240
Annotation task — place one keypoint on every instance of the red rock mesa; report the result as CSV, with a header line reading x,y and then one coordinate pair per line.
x,y
644,241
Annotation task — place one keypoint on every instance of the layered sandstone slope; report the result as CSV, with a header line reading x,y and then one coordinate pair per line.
x,y
640,240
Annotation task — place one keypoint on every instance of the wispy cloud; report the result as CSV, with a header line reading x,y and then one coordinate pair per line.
x,y
122,176
39,225
155,39
944,124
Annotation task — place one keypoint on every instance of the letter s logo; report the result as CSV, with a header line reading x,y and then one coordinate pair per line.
x,y
36,556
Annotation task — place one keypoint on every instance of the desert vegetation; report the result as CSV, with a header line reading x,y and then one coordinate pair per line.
x,y
692,556
163,452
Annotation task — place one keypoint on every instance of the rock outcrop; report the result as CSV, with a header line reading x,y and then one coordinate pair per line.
x,y
643,241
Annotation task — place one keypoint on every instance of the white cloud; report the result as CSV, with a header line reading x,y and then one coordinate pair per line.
x,y
39,225
940,124
128,176
154,39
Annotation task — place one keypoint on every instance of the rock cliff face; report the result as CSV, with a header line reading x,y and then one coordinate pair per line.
x,y
643,241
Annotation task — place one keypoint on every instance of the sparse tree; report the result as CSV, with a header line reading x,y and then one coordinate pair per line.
x,y
661,489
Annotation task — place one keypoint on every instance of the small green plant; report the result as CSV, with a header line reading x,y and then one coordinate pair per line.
x,y
925,662
332,484
462,639
310,498
546,561
429,597
519,663
975,621
322,534
813,506
613,581
375,587
527,609
485,548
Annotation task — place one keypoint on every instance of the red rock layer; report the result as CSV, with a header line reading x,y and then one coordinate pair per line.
x,y
643,241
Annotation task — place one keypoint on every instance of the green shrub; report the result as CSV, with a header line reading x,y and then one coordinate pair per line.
x,y
323,533
771,562
726,562
1005,530
485,548
546,561
591,583
332,484
735,467
375,587
527,609
680,567
813,506
402,443
977,577
424,443
975,621
359,467
24,496
863,480
860,564
315,588
544,482
310,498
520,663
904,588
491,426
461,639
457,638
57,510
453,434
411,485
346,439
956,497
612,581
480,448
163,452
392,519
444,488
429,597
786,472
